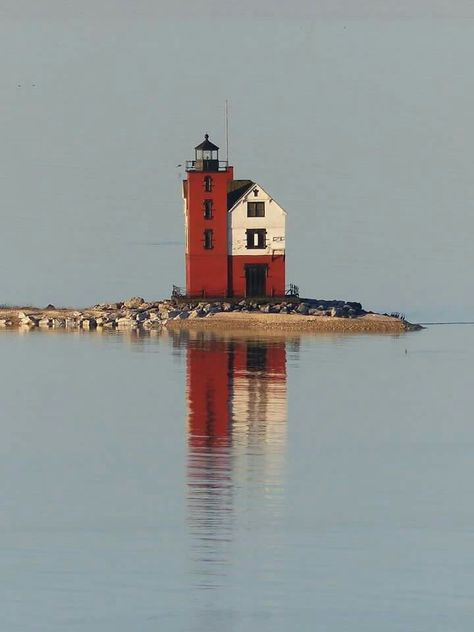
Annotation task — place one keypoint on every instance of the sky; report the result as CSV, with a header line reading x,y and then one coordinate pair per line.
x,y
345,9
355,116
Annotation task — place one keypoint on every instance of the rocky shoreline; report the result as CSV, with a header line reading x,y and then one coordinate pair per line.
x,y
138,314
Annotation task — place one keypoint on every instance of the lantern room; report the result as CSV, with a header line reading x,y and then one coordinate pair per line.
x,y
206,157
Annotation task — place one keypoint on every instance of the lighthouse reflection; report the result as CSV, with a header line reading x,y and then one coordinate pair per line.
x,y
237,435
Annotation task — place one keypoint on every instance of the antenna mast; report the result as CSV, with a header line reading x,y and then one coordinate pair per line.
x,y
227,130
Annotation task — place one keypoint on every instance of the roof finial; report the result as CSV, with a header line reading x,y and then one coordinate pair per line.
x,y
206,136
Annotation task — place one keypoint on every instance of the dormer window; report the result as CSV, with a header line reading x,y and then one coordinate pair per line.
x,y
255,209
208,184
208,209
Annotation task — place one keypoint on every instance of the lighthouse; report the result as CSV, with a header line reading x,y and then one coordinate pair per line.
x,y
234,232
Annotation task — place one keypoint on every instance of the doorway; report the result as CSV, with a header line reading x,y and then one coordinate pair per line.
x,y
256,280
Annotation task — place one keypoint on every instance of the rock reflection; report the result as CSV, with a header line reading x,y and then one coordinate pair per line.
x,y
237,413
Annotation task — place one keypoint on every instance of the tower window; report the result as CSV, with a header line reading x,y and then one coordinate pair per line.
x,y
255,209
208,239
208,183
208,209
256,238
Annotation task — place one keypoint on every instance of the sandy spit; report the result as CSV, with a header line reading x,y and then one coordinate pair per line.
x,y
371,323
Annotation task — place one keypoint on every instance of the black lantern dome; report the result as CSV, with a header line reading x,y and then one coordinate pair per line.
x,y
206,156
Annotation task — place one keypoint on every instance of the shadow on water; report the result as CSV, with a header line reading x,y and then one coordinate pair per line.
x,y
236,393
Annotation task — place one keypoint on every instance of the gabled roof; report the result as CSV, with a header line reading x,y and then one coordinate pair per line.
x,y
236,189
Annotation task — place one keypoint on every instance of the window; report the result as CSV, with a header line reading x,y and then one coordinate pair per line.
x,y
207,209
208,183
208,237
255,209
256,238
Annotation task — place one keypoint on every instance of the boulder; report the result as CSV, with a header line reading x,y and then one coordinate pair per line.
x,y
226,307
125,322
151,324
134,302
302,309
88,323
29,321
45,322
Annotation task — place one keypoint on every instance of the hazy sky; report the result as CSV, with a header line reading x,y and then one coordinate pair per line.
x,y
297,8
358,123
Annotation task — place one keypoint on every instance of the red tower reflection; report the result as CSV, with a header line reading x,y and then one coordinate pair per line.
x,y
209,375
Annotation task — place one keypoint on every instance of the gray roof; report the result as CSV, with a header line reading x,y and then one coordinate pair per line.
x,y
236,189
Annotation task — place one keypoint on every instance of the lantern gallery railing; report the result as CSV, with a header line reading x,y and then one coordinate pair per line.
x,y
293,290
206,165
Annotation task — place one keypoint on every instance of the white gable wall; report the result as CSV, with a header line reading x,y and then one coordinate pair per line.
x,y
274,222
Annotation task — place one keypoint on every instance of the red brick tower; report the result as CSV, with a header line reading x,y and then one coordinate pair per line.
x,y
205,195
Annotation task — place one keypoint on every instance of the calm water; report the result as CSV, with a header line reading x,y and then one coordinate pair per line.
x,y
189,482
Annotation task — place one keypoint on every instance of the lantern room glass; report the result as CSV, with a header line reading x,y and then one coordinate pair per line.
x,y
206,154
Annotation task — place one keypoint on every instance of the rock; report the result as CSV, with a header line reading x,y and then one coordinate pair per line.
x,y
266,309
173,313
125,322
302,309
141,317
88,323
72,323
29,321
151,324
134,302
3,322
183,315
50,306
226,307
45,322
59,323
